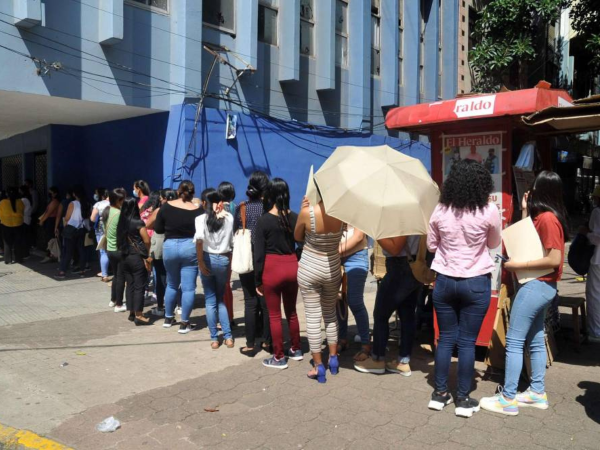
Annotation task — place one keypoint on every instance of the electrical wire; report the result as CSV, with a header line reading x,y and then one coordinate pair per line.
x,y
114,47
80,2
253,106
18,52
66,72
100,60
149,76
150,87
105,61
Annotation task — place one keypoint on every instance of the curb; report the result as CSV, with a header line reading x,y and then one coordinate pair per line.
x,y
15,439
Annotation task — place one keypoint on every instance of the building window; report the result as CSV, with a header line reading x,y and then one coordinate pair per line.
x,y
267,24
375,37
400,41
472,21
307,27
462,78
156,5
219,14
341,33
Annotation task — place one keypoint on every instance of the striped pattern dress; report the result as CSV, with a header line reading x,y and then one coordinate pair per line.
x,y
319,278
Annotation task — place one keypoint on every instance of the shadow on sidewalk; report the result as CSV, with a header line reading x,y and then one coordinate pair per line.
x,y
591,399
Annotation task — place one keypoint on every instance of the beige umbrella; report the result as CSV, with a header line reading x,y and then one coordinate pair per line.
x,y
378,190
312,194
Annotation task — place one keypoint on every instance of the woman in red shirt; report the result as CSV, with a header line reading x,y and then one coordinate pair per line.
x,y
546,207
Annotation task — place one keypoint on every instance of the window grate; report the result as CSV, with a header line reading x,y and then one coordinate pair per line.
x,y
12,171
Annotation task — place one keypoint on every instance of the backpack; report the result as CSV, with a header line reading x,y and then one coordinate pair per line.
x,y
580,254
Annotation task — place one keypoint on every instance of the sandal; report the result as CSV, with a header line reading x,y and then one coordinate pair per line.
x,y
229,343
249,352
215,345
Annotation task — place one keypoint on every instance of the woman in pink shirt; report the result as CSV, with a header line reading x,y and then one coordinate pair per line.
x,y
462,229
141,191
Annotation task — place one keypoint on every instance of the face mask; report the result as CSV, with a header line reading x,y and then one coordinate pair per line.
x,y
96,198
135,194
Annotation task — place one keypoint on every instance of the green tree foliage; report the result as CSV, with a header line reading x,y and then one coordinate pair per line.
x,y
585,19
504,39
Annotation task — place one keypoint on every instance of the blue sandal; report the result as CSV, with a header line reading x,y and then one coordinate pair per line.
x,y
320,376
334,364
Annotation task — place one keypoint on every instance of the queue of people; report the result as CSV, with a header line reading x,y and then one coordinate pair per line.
x,y
170,238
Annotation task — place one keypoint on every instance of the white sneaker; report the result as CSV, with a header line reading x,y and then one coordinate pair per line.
x,y
121,308
186,327
178,310
111,304
46,260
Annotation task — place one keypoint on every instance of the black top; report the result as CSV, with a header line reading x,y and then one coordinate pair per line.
x,y
254,210
176,223
271,239
135,244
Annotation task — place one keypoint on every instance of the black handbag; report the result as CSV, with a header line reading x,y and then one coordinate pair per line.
x,y
580,254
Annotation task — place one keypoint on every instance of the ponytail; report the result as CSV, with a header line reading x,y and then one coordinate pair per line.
x,y
279,196
186,191
213,222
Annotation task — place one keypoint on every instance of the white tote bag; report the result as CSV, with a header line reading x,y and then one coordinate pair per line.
x,y
241,261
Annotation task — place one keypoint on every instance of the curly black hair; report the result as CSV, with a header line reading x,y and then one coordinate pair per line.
x,y
468,186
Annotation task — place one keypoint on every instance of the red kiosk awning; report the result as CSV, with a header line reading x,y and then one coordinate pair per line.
x,y
511,103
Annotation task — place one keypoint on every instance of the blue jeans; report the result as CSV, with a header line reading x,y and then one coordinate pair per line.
x,y
357,267
181,264
527,315
398,292
214,289
103,256
460,305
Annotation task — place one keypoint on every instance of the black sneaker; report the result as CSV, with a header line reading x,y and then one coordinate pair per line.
x,y
169,322
466,406
438,401
186,327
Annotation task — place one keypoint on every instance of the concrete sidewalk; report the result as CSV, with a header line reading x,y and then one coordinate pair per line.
x,y
159,384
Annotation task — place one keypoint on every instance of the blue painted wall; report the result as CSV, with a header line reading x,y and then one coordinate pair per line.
x,y
282,149
117,153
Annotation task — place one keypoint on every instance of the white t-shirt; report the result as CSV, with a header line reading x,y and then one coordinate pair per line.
x,y
101,205
27,212
219,242
76,220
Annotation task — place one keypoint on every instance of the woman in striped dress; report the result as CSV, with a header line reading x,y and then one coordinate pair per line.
x,y
319,278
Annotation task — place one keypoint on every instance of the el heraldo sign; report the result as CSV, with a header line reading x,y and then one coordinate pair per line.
x,y
476,106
